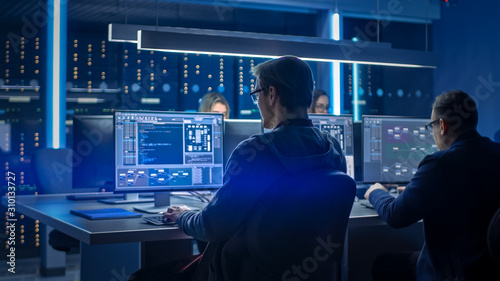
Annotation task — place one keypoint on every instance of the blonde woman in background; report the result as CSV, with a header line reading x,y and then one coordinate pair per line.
x,y
215,102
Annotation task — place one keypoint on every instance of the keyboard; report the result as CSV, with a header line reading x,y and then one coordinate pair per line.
x,y
93,196
367,204
157,220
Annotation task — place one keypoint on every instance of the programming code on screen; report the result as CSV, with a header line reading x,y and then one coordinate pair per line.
x,y
167,151
159,143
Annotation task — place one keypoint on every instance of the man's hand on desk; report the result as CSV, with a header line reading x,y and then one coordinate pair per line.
x,y
372,188
173,212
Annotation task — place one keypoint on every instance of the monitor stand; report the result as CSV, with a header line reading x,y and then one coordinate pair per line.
x,y
162,202
128,199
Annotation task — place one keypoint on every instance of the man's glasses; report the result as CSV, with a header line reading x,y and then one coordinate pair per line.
x,y
429,126
255,95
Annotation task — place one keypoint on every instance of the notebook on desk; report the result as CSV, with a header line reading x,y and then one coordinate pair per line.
x,y
106,213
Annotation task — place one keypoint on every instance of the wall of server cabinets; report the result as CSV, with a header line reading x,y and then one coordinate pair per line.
x,y
103,76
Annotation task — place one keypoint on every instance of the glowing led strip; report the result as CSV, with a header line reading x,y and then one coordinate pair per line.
x,y
335,67
56,74
355,92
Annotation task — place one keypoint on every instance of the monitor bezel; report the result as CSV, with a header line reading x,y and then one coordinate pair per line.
x,y
117,189
363,143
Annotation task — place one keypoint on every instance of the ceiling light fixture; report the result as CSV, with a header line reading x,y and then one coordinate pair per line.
x,y
262,45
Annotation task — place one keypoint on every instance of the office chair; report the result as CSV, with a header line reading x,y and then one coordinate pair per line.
x,y
494,236
302,223
53,171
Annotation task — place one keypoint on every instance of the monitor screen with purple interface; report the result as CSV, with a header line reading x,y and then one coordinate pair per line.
x,y
393,147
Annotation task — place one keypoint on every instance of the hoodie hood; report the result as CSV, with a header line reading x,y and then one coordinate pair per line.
x,y
305,148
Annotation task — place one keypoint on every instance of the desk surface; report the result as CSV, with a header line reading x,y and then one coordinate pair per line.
x,y
54,210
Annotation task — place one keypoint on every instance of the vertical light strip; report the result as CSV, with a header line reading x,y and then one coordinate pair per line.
x,y
50,74
56,74
335,67
56,78
336,26
337,102
355,87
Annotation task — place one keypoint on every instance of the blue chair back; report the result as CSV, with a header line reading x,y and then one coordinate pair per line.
x,y
302,224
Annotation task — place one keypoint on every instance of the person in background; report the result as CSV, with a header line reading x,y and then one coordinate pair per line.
x,y
455,191
320,102
215,102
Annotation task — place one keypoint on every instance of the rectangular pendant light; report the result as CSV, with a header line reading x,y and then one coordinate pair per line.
x,y
242,44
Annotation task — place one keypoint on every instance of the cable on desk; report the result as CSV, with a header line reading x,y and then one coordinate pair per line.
x,y
200,196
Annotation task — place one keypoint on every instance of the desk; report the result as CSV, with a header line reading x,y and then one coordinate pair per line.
x,y
368,236
114,249
110,249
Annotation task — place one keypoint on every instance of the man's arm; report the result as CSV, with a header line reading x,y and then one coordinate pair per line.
x,y
245,181
415,202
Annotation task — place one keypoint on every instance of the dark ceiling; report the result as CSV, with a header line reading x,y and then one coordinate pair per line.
x,y
95,15
97,12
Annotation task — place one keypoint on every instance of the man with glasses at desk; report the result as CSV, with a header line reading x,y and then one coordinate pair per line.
x,y
263,163
455,191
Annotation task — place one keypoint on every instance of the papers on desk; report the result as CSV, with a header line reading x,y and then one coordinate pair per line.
x,y
106,213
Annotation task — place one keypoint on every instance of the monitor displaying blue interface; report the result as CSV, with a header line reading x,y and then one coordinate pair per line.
x,y
393,147
168,151
341,128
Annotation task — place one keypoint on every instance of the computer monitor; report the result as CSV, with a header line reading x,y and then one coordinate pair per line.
x,y
167,151
341,128
393,147
237,130
93,153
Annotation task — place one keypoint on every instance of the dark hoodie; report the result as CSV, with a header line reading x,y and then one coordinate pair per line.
x,y
256,165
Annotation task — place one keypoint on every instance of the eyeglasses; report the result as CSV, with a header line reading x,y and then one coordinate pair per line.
x,y
429,126
321,107
255,95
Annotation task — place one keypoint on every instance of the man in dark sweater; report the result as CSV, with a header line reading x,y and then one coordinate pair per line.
x,y
283,94
455,191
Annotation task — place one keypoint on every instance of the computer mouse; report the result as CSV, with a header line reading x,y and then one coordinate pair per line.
x,y
167,221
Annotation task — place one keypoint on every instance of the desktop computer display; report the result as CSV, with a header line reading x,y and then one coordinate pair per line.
x,y
341,128
238,130
93,153
393,147
168,151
